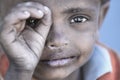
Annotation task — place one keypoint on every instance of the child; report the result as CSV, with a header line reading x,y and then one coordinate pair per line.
x,y
56,40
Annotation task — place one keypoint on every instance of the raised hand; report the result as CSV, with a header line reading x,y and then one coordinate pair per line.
x,y
23,34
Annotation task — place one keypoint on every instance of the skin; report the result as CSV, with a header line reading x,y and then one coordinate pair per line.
x,y
57,36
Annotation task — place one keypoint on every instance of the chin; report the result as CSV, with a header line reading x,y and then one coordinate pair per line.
x,y
49,74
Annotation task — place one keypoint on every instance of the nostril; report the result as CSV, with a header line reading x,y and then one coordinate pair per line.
x,y
57,46
66,44
52,45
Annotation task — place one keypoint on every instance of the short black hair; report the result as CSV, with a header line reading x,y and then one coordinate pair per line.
x,y
104,1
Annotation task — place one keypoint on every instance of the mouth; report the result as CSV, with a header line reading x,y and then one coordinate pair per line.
x,y
59,62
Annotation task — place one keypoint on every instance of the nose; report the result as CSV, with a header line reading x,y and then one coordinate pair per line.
x,y
57,38
57,44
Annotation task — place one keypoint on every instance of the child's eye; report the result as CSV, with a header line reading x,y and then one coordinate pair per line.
x,y
78,19
32,22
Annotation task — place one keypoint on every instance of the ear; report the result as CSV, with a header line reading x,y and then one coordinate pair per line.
x,y
103,11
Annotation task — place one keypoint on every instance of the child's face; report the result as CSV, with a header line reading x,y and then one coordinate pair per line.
x,y
71,39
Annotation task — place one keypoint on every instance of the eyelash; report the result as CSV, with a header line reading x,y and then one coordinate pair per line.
x,y
78,19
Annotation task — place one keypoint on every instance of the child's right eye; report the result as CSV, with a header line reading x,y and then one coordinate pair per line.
x,y
32,22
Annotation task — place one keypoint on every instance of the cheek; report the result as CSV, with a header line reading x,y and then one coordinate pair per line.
x,y
84,42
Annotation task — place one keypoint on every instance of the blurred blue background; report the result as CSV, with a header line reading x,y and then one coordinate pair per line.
x,y
110,31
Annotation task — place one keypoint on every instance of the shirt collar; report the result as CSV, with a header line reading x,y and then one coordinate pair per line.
x,y
98,65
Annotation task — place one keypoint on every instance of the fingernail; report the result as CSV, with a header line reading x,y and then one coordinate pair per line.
x,y
26,12
41,13
46,8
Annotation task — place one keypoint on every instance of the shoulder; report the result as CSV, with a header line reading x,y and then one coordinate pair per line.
x,y
4,63
115,61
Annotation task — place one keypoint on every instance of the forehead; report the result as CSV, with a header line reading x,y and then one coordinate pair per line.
x,y
61,4
56,6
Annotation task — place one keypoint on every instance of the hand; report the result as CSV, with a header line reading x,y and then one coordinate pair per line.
x,y
23,34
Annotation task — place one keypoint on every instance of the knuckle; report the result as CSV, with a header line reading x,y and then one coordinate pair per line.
x,y
29,3
32,5
25,4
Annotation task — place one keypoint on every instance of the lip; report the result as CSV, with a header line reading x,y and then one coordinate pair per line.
x,y
59,62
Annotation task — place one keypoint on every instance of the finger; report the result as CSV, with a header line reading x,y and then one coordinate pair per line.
x,y
13,22
33,7
8,30
46,21
23,14
44,9
16,16
34,12
44,27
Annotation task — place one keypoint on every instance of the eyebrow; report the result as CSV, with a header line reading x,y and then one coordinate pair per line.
x,y
77,10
